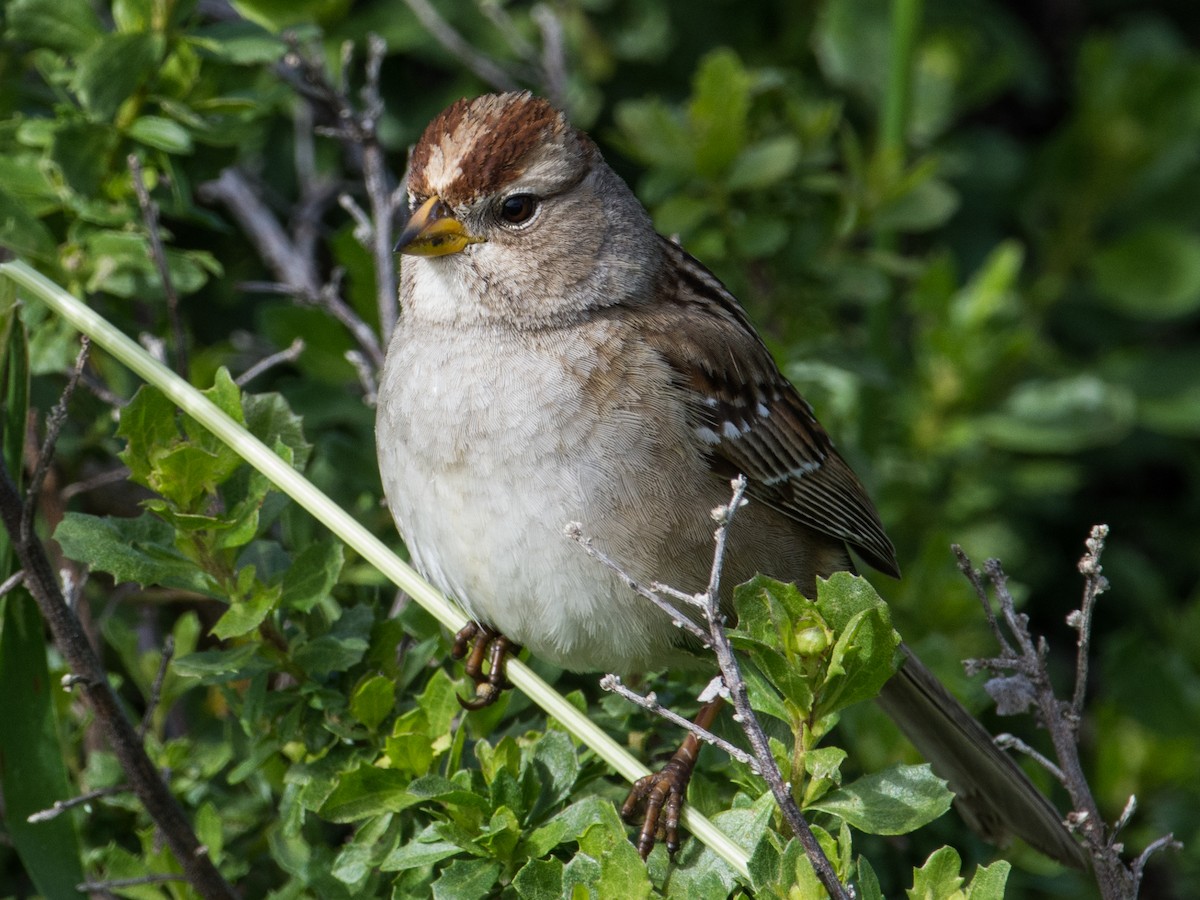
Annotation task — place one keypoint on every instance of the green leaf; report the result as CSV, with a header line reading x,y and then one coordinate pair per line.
x,y
32,772
1063,416
312,575
939,878
239,42
762,164
894,801
112,69
270,419
244,616
140,550
989,881
367,791
423,850
552,770
217,666
718,111
22,232
70,25
209,831
1152,273
868,881
329,653
539,879
162,134
466,879
864,655
148,425
373,701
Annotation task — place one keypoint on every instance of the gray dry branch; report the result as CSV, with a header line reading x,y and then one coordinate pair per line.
x,y
734,688
1021,679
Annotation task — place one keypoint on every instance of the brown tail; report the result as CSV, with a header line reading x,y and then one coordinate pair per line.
x,y
994,795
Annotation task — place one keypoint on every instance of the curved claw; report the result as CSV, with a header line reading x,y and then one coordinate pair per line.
x,y
480,639
667,789
662,790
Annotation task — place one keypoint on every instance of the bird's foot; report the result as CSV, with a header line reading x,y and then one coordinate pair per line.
x,y
475,642
659,792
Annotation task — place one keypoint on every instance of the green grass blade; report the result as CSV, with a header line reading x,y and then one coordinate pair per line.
x,y
348,529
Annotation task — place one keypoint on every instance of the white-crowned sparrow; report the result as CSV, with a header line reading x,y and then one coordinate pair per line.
x,y
558,361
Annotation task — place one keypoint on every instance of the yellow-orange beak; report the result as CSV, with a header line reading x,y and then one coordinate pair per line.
x,y
433,231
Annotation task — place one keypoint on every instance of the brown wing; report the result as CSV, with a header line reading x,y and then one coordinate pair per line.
x,y
752,418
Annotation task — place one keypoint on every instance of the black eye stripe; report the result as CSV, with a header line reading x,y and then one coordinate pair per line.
x,y
518,209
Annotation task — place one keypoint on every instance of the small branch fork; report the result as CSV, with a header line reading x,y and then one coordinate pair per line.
x,y
1021,667
731,674
89,675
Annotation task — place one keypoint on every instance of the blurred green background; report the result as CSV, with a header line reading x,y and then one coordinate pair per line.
x,y
990,293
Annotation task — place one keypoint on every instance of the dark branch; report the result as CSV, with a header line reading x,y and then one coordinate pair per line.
x,y
158,254
88,674
54,424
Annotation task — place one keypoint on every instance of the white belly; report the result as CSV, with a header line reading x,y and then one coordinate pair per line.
x,y
483,472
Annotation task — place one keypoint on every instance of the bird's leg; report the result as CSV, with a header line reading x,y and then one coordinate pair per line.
x,y
667,788
487,685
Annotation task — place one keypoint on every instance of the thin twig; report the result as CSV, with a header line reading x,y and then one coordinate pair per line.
x,y
54,424
158,254
11,582
744,714
366,376
92,680
554,58
1166,842
1094,584
330,299
973,575
290,354
61,806
112,476
102,886
102,391
458,47
379,190
168,650
1012,742
650,702
1060,718
574,531
232,189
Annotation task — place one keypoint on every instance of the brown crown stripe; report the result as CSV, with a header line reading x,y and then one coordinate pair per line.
x,y
490,136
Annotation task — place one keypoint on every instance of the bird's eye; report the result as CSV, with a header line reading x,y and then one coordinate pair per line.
x,y
518,209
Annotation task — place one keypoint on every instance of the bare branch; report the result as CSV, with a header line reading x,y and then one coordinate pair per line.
x,y
458,47
54,424
1060,718
158,254
105,886
575,532
290,354
366,376
164,663
61,806
11,582
1094,584
1012,742
735,684
554,57
102,391
89,675
232,189
744,714
650,702
1166,842
972,575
